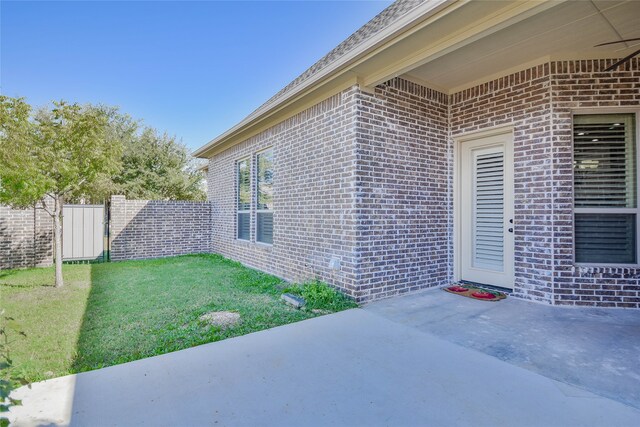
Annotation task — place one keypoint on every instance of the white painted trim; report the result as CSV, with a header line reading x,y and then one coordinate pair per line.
x,y
255,198
484,133
606,110
371,90
457,147
263,244
237,194
457,189
262,150
460,37
400,29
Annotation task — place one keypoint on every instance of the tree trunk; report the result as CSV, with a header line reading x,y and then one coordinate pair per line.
x,y
57,232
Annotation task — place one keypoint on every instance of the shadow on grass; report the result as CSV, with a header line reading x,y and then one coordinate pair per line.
x,y
101,323
138,309
16,285
99,345
6,273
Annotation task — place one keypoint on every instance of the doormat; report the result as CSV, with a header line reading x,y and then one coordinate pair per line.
x,y
475,293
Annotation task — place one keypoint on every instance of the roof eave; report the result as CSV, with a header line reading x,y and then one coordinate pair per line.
x,y
420,13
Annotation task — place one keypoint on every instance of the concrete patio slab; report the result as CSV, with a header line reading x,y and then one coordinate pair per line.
x,y
593,348
351,368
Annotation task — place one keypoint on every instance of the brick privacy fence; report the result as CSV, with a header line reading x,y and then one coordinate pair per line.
x,y
154,228
26,238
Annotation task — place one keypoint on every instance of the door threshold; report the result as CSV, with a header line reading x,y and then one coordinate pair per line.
x,y
490,287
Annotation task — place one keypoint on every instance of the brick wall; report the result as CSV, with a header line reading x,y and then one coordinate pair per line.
x,y
539,103
153,229
314,196
355,181
403,187
367,178
580,86
522,100
26,238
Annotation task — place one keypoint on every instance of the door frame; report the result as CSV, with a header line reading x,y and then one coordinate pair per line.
x,y
457,186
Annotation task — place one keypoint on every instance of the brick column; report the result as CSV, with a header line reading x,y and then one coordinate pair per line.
x,y
118,221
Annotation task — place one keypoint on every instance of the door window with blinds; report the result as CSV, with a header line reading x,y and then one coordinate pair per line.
x,y
488,209
243,174
605,188
264,197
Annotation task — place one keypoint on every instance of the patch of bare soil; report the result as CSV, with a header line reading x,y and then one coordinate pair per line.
x,y
221,319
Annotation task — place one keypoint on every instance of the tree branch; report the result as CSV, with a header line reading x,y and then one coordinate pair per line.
x,y
73,187
44,208
43,204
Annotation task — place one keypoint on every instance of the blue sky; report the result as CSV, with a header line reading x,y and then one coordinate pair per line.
x,y
192,69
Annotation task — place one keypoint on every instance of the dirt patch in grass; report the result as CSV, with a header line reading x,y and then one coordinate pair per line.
x,y
221,319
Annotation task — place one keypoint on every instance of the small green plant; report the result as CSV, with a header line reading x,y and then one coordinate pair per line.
x,y
8,382
320,296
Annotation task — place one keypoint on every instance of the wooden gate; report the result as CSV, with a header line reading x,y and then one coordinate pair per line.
x,y
83,233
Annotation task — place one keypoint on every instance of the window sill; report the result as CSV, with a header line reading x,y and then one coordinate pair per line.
x,y
603,265
250,243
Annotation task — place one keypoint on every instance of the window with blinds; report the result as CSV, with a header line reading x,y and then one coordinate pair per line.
x,y
243,225
264,197
605,188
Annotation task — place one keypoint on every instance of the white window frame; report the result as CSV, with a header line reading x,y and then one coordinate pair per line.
x,y
255,199
237,197
636,210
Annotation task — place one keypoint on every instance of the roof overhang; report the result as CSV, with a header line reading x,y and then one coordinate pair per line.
x,y
451,44
564,31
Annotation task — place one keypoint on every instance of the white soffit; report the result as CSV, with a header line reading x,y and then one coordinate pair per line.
x,y
566,31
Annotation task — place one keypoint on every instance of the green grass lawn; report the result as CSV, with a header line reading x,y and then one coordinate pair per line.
x,y
118,312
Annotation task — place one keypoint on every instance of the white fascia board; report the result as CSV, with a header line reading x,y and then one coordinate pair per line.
x,y
425,10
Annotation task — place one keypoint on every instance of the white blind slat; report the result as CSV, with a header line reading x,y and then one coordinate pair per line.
x,y
604,160
489,211
605,172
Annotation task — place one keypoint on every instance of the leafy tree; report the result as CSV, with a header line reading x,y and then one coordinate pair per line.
x,y
52,156
155,166
121,130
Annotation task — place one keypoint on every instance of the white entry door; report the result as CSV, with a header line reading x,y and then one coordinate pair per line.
x,y
486,210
